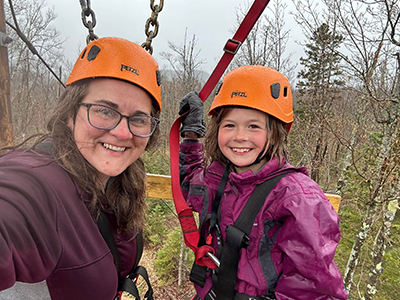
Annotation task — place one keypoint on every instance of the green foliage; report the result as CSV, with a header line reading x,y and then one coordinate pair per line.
x,y
156,226
157,161
167,261
350,223
390,279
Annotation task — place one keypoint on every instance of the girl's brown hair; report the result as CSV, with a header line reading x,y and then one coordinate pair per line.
x,y
276,130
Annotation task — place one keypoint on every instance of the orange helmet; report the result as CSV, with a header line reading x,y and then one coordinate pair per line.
x,y
257,87
118,58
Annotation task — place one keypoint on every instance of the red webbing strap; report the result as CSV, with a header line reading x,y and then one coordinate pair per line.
x,y
185,214
190,231
232,46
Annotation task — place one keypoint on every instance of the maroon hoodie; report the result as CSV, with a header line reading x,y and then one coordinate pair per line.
x,y
48,236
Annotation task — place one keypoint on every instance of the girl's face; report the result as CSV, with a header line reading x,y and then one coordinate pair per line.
x,y
242,135
111,151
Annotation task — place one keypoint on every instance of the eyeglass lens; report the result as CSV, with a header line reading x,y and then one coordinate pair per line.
x,y
104,117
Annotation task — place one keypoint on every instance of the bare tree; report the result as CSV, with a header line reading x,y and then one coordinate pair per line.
x,y
370,68
266,43
33,87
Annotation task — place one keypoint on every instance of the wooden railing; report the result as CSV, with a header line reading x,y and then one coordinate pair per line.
x,y
159,186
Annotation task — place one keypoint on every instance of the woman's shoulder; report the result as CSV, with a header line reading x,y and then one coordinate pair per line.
x,y
33,168
25,157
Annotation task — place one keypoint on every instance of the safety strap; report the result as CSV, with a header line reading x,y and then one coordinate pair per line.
x,y
185,214
106,232
126,284
218,196
232,46
237,237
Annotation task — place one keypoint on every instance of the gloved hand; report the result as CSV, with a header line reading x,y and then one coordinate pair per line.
x,y
193,121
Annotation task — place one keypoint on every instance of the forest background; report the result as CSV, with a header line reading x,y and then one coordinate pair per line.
x,y
346,97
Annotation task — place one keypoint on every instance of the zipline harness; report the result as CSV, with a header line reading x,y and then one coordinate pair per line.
x,y
205,255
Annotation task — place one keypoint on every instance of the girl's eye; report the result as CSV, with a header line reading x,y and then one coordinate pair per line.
x,y
254,126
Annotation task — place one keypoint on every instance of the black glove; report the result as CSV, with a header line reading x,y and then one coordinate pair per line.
x,y
193,121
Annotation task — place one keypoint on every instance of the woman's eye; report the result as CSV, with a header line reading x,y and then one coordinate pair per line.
x,y
139,120
105,111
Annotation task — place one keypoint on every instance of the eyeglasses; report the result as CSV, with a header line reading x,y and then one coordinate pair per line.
x,y
107,118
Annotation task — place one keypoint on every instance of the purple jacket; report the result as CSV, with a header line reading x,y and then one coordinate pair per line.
x,y
294,236
48,237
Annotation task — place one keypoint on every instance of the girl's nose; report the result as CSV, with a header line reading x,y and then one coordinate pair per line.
x,y
240,135
121,131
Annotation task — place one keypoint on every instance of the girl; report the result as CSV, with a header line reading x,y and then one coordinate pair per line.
x,y
85,169
292,243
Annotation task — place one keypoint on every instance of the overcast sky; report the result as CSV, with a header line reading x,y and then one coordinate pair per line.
x,y
211,21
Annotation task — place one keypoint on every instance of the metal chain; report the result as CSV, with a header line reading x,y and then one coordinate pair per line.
x,y
89,24
152,21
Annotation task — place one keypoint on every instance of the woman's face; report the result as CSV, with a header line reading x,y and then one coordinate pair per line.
x,y
111,151
242,136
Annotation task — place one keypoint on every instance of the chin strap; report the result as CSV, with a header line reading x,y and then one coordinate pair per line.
x,y
190,231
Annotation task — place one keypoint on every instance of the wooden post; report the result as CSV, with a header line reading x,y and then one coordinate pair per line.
x,y
6,132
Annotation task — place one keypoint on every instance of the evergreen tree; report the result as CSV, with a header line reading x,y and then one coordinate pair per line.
x,y
319,87
321,72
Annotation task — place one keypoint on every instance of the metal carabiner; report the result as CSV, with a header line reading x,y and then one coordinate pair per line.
x,y
214,259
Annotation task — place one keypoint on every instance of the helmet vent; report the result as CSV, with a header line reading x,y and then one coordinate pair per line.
x,y
285,91
275,90
93,52
158,76
83,54
218,88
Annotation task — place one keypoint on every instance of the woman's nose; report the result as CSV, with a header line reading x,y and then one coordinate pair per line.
x,y
121,131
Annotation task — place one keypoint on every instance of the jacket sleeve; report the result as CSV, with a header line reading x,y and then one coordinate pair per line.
x,y
308,240
29,242
191,169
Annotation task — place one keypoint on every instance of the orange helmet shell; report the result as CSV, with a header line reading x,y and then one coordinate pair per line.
x,y
121,59
257,87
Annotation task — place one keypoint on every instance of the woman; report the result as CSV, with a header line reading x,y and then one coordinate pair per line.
x,y
85,170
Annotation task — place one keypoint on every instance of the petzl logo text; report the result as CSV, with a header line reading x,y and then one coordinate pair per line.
x,y
129,69
239,94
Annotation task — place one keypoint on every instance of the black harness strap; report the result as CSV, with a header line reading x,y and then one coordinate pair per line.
x,y
236,239
106,232
125,284
218,196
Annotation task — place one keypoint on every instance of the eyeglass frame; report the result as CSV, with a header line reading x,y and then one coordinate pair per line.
x,y
89,105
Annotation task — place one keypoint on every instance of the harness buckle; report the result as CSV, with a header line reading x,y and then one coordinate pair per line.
x,y
232,51
245,241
